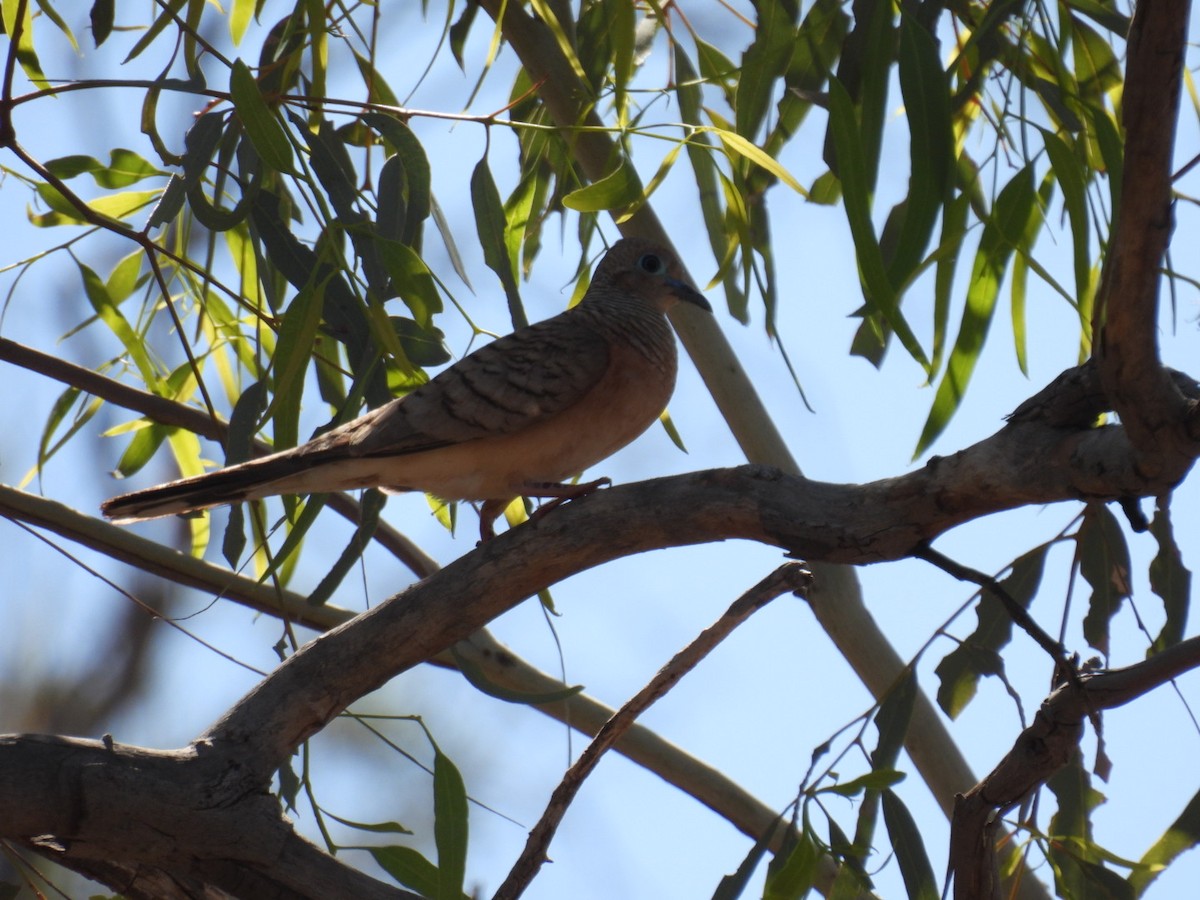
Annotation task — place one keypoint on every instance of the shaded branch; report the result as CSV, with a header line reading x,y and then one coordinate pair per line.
x,y
1041,750
162,824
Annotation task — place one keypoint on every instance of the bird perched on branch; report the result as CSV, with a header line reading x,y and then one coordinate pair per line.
x,y
513,419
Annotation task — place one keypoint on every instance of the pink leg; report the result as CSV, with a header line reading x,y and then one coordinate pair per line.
x,y
560,493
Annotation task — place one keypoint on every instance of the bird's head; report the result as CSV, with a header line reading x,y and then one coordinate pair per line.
x,y
647,271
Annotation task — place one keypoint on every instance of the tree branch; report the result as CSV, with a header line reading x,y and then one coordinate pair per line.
x,y
1041,749
162,824
1126,315
168,412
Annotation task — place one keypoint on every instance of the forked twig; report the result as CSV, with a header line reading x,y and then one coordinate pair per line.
x,y
793,577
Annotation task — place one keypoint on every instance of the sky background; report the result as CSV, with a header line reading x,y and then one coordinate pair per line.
x,y
765,698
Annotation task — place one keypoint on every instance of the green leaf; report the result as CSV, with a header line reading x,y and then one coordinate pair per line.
x,y
1002,233
1104,563
979,654
449,826
895,712
113,206
699,150
954,230
1170,580
621,19
1181,836
732,886
919,880
293,348
134,344
260,123
26,55
875,780
169,14
373,827
925,89
58,411
852,171
372,504
615,190
141,449
1072,178
459,31
1097,68
101,19
763,64
736,145
423,346
412,189
123,280
794,877
241,13
412,280
1102,14
478,679
124,168
492,225
408,867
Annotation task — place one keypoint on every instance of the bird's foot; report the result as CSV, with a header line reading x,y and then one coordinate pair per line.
x,y
559,494
554,492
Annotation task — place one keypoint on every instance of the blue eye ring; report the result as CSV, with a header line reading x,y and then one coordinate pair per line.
x,y
651,264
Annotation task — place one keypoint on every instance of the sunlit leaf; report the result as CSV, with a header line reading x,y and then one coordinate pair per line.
x,y
615,190
1001,234
1182,835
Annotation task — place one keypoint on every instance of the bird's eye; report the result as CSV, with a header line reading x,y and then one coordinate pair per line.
x,y
651,264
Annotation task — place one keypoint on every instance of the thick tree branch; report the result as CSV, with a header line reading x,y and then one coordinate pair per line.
x,y
491,659
159,824
1041,749
836,598
1126,316
1024,463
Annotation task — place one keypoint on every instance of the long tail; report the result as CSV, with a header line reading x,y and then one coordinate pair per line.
x,y
246,481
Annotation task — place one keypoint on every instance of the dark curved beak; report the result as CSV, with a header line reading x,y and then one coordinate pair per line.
x,y
688,294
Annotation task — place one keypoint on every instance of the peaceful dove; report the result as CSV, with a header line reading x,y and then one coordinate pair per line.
x,y
512,419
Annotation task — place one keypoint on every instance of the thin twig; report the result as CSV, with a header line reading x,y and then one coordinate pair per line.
x,y
789,577
168,412
1015,610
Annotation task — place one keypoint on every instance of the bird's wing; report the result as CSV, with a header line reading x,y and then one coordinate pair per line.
x,y
505,386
